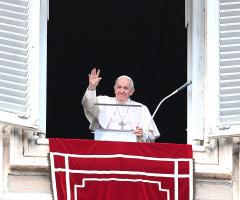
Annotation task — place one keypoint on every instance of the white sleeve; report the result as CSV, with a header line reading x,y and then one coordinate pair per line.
x,y
90,94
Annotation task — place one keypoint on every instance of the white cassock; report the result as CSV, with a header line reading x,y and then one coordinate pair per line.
x,y
109,117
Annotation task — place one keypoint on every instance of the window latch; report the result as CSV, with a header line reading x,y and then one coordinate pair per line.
x,y
24,115
224,125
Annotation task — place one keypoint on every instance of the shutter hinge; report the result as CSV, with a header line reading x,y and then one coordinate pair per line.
x,y
224,126
24,115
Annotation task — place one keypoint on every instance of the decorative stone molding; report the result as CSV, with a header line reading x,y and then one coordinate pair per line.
x,y
25,153
220,163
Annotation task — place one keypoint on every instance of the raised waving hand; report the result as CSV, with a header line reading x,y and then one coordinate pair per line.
x,y
94,79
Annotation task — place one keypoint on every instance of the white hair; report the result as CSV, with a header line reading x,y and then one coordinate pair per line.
x,y
124,76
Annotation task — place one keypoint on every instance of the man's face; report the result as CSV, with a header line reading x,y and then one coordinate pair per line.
x,y
123,90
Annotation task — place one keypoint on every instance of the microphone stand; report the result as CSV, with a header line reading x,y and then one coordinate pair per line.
x,y
176,91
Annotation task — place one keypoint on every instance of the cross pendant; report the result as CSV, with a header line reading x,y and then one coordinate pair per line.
x,y
122,124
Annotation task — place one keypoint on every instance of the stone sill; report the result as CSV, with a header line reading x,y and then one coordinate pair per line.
x,y
30,163
43,141
197,148
212,171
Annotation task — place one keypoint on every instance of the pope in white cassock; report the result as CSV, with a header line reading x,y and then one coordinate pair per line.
x,y
119,117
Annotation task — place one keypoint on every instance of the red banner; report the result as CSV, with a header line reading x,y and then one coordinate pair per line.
x,y
104,170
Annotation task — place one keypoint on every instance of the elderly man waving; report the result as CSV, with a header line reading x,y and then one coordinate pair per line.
x,y
119,118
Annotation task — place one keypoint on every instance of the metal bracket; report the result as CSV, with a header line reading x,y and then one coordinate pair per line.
x,y
24,115
224,126
208,147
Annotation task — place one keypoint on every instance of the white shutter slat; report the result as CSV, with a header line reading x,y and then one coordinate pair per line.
x,y
229,5
15,71
230,13
230,62
12,85
13,57
13,78
232,55
14,64
229,83
234,119
230,76
232,33
14,7
230,104
13,43
230,112
229,1
231,26
12,99
14,29
227,98
11,107
229,92
230,19
229,48
11,14
13,22
12,92
230,41
229,69
17,2
11,50
13,36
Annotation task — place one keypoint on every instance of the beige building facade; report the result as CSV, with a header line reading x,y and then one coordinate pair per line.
x,y
26,172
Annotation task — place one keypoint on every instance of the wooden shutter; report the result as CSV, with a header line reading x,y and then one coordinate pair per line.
x,y
20,63
229,62
14,49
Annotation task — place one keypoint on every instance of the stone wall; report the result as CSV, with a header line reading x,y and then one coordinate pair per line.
x,y
25,168
29,183
213,189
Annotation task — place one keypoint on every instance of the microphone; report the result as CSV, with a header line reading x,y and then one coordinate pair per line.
x,y
184,86
176,91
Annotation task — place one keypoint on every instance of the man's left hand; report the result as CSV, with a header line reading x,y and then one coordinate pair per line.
x,y
138,132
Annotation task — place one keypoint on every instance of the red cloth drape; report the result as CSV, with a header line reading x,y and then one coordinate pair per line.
x,y
105,170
